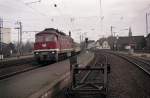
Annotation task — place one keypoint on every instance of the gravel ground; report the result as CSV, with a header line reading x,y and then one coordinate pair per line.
x,y
127,80
61,94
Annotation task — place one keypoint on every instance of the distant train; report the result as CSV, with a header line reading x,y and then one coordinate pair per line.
x,y
52,45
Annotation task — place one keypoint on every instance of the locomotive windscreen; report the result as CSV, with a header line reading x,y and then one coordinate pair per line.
x,y
45,38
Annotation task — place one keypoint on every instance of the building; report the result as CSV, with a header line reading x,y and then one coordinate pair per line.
x,y
112,42
128,42
135,42
103,44
148,42
6,35
91,44
98,46
6,50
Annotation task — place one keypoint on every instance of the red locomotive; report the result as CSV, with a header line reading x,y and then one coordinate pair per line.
x,y
52,44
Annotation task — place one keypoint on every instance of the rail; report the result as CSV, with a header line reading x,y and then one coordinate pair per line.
x,y
140,63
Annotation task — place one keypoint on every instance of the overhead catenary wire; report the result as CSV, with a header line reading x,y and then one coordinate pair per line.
x,y
41,13
37,1
45,15
33,9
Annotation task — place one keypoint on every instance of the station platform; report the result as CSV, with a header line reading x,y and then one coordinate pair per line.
x,y
37,83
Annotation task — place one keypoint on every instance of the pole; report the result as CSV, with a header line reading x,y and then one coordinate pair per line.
x,y
18,46
19,38
111,31
20,26
147,23
80,40
101,15
1,38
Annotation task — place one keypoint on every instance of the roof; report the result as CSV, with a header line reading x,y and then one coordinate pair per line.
x,y
148,36
102,40
52,30
91,41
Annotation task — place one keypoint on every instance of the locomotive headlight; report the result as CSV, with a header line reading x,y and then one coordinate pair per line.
x,y
36,53
53,52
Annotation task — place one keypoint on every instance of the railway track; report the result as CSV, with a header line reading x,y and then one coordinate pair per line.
x,y
140,63
92,81
15,70
15,62
92,76
8,71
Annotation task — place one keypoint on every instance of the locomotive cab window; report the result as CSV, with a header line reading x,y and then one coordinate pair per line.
x,y
50,37
46,37
39,38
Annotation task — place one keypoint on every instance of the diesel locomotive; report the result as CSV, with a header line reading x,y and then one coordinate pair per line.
x,y
52,44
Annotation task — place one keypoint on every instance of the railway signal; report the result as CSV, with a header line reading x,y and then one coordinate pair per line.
x,y
55,5
86,42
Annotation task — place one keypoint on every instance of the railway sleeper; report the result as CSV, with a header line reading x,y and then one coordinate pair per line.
x,y
69,93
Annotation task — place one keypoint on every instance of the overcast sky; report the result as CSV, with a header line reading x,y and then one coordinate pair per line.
x,y
78,16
